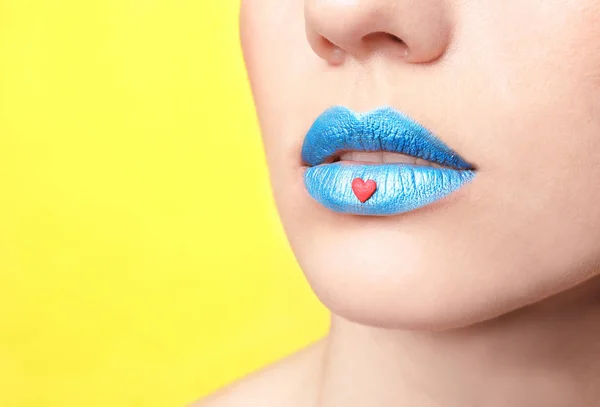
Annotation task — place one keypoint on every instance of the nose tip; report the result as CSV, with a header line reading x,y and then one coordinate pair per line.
x,y
418,31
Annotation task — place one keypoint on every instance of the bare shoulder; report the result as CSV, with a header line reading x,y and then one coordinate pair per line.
x,y
290,382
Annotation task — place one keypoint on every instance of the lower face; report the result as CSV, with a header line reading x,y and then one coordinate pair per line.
x,y
516,97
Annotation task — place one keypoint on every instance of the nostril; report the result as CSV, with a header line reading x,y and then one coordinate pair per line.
x,y
332,53
382,36
395,39
385,40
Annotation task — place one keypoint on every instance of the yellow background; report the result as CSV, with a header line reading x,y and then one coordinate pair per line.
x,y
141,258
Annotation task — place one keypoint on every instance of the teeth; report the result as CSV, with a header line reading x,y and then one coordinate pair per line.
x,y
386,157
368,157
399,158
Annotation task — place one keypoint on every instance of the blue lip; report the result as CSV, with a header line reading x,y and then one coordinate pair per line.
x,y
400,187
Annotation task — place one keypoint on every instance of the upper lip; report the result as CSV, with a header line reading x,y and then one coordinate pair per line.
x,y
340,129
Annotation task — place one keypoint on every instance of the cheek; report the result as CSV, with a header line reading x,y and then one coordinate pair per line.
x,y
519,94
531,97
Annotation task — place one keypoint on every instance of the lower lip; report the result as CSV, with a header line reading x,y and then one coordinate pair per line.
x,y
400,188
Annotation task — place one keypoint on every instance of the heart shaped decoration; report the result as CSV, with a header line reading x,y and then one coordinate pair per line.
x,y
363,189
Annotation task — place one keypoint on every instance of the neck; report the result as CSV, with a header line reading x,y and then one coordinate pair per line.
x,y
541,355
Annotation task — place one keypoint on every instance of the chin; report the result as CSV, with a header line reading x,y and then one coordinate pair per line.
x,y
391,298
401,274
420,304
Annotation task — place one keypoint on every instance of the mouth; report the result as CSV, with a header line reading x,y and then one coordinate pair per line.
x,y
380,157
378,163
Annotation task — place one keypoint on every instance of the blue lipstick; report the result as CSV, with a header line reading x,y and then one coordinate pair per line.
x,y
378,189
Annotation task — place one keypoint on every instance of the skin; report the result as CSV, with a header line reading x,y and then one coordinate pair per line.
x,y
489,297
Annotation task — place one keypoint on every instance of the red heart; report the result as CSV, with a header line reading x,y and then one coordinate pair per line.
x,y
363,190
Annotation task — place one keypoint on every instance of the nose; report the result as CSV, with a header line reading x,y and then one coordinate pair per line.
x,y
417,30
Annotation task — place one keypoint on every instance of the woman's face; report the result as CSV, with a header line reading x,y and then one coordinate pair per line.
x,y
512,86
